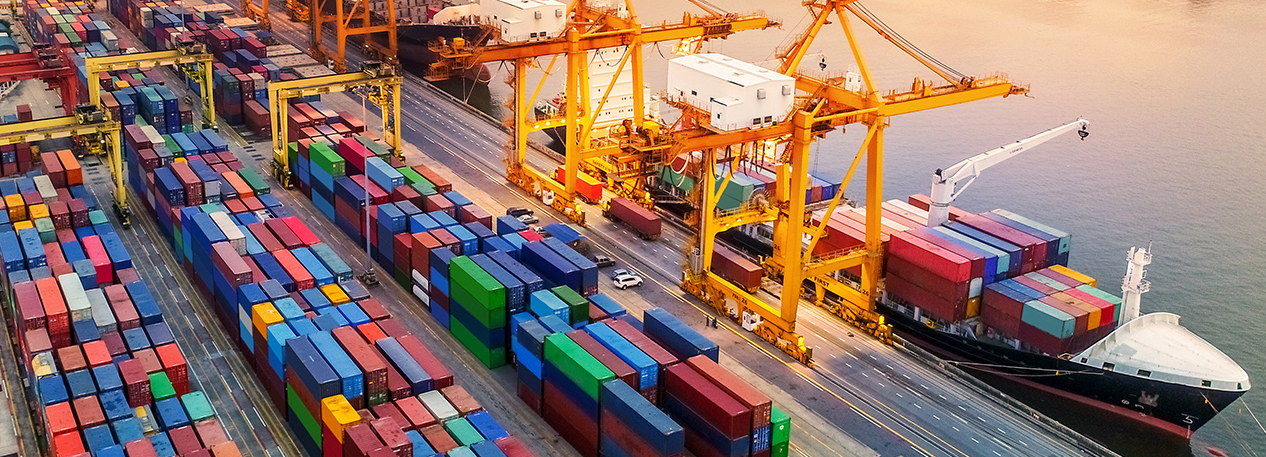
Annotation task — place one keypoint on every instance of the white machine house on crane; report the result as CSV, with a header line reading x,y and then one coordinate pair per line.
x,y
947,184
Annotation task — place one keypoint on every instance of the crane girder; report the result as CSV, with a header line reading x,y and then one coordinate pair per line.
x,y
692,27
94,65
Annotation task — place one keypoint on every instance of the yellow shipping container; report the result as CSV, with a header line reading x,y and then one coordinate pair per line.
x,y
1075,275
23,225
17,207
37,211
335,293
263,315
337,415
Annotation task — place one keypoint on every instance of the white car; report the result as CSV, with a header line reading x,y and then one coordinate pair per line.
x,y
626,281
618,272
528,219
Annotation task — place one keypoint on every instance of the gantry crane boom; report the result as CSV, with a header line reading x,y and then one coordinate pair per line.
x,y
947,184
828,104
94,126
589,29
185,58
382,86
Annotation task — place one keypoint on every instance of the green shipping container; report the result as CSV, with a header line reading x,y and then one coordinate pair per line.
x,y
374,147
253,180
197,406
577,364
296,407
48,233
492,318
292,153
780,450
425,188
462,432
482,286
491,358
412,177
97,217
323,156
173,146
576,303
160,386
1114,300
781,430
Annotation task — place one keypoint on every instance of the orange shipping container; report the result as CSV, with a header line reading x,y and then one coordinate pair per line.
x,y
74,173
303,279
243,190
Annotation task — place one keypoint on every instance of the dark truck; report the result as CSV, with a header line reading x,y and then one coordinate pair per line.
x,y
641,220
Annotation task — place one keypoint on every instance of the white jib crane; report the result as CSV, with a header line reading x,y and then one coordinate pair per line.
x,y
947,184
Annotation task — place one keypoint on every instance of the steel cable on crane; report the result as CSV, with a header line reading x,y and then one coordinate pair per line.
x,y
860,9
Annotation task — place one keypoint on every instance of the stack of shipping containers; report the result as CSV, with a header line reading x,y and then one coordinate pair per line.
x,y
106,372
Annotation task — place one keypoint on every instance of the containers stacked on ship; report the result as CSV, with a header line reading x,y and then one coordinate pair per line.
x,y
106,372
1053,310
319,342
747,179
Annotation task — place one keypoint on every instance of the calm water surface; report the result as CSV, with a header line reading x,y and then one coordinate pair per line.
x,y
1176,156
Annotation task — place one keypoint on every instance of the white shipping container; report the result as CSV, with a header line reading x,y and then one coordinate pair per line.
x,y
736,94
231,231
439,406
76,299
101,312
45,186
523,20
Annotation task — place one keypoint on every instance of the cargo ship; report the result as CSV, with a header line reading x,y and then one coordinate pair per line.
x,y
992,292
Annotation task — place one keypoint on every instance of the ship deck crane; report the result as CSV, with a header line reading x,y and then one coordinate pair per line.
x,y
376,81
589,29
947,184
825,104
96,131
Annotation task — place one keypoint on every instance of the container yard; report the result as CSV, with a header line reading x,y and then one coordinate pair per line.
x,y
389,282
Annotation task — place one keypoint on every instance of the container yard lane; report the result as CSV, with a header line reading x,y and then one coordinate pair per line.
x,y
215,366
861,391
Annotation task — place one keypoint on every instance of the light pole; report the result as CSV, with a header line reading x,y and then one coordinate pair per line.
x,y
369,278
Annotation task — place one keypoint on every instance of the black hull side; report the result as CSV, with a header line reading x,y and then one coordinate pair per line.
x,y
415,56
1176,409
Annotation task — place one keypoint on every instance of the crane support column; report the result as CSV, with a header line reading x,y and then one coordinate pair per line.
x,y
872,267
575,64
794,218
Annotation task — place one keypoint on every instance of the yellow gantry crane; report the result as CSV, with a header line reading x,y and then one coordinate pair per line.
x,y
823,105
96,132
189,58
589,29
376,81
350,21
257,13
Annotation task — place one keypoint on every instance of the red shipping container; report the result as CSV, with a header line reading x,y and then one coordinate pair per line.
x,y
952,291
1081,315
374,309
68,444
371,332
230,264
995,300
377,196
397,386
30,310
1035,285
360,440
977,261
303,279
210,432
389,430
284,234
446,239
512,447
367,358
225,449
718,408
529,397
60,419
71,358
141,448
413,412
175,367
389,409
1107,310
437,202
114,343
438,438
924,202
441,376
96,353
57,316
437,180
300,230
530,235
265,237
420,252
100,260
149,360
406,193
1000,321
37,341
135,383
252,203
184,440
569,420
933,258
473,213
737,269
53,169
461,400
127,276
760,404
652,349
59,211
1042,341
390,326
930,303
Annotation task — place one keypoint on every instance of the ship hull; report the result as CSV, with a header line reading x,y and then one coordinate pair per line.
x,y
1175,409
416,57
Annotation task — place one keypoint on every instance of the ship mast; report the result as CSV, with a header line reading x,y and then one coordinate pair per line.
x,y
1135,285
